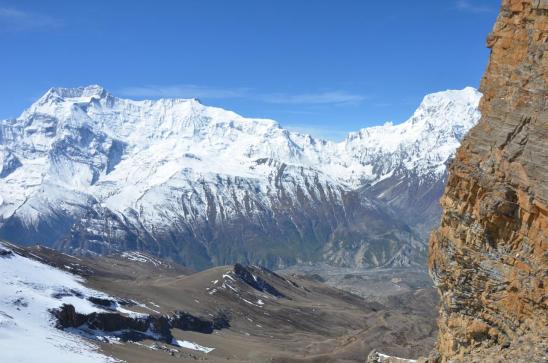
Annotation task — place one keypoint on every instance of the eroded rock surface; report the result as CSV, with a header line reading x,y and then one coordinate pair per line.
x,y
488,258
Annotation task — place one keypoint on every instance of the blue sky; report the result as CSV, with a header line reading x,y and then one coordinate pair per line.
x,y
326,66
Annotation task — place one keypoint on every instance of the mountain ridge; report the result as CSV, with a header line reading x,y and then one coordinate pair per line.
x,y
87,171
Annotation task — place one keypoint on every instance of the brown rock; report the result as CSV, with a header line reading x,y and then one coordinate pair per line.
x,y
488,257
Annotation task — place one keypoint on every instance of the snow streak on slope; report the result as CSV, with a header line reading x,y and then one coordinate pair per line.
x,y
28,289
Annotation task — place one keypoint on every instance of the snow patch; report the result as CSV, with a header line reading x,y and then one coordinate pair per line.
x,y
190,345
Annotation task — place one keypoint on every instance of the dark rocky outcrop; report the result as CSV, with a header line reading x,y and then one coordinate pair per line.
x,y
254,280
185,321
188,322
123,327
8,163
130,328
102,302
5,252
221,320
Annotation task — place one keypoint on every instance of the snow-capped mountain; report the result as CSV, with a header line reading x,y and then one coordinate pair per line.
x,y
86,171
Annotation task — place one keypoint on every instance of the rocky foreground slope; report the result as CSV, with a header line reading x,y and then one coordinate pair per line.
x,y
138,308
87,172
488,258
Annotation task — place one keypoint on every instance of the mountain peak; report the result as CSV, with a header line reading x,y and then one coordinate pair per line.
x,y
446,108
465,95
438,109
78,92
58,98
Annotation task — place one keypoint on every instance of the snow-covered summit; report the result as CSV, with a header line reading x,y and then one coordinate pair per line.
x,y
424,142
93,90
127,119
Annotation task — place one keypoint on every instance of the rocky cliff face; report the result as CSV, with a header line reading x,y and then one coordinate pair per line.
x,y
488,258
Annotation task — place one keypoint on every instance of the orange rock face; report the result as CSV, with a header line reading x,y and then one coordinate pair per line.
x,y
489,256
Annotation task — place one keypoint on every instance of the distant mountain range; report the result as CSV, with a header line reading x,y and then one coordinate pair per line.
x,y
86,172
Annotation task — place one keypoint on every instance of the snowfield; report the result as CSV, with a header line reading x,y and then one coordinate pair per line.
x,y
28,289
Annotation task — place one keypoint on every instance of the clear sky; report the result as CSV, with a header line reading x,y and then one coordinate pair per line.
x,y
323,66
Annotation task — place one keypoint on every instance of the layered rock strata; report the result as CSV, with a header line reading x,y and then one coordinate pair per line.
x,y
488,258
